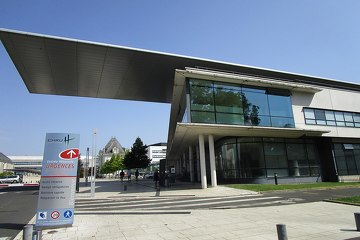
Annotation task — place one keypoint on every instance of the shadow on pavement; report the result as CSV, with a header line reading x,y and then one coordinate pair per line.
x,y
144,186
17,226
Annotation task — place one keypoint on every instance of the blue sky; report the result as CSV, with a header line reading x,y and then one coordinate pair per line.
x,y
319,38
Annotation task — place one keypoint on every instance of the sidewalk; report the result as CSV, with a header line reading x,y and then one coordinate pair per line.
x,y
320,220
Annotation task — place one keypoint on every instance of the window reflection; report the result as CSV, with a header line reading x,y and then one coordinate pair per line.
x,y
228,101
280,106
202,98
347,157
239,105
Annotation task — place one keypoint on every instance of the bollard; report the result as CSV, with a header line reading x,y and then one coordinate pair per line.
x,y
125,187
275,177
357,221
37,235
28,232
281,231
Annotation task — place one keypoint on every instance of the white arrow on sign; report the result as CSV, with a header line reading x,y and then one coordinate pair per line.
x,y
71,153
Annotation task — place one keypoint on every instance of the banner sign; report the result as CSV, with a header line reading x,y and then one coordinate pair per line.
x,y
58,180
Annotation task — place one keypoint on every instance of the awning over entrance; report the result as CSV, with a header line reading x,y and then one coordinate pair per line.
x,y
187,134
62,66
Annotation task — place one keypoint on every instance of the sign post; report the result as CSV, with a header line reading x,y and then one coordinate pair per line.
x,y
58,180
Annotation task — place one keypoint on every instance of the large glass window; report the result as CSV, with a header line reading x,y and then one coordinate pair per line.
x,y
347,157
202,98
239,104
203,117
313,157
227,154
280,106
331,118
248,157
228,99
275,157
251,160
229,107
298,162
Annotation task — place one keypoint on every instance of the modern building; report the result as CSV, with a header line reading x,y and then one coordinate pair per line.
x,y
156,152
24,164
228,122
5,163
28,167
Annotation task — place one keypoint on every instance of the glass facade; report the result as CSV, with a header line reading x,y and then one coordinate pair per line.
x,y
248,157
331,118
347,157
225,103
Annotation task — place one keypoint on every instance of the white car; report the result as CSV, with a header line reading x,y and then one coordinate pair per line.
x,y
149,175
10,179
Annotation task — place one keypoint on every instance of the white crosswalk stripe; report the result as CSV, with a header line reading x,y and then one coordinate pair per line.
x,y
175,203
220,202
153,200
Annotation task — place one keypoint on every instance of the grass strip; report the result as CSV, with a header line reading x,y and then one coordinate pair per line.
x,y
293,186
349,200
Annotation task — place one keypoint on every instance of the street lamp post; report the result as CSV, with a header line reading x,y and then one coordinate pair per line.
x,y
93,169
86,171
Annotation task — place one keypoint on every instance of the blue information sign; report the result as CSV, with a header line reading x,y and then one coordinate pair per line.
x,y
58,180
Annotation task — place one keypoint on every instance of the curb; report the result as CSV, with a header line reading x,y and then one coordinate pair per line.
x,y
20,185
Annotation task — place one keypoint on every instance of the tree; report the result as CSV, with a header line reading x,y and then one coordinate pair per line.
x,y
137,156
5,174
115,163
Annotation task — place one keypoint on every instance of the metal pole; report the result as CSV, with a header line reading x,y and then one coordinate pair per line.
x,y
28,232
87,167
276,178
37,235
357,221
78,175
281,231
95,158
93,169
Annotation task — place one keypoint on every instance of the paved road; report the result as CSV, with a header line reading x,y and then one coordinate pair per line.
x,y
175,203
17,207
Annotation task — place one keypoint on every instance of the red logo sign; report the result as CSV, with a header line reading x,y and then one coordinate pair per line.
x,y
69,153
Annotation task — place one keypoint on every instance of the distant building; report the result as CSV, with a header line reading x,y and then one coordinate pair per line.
x,y
113,147
156,152
27,163
29,167
5,163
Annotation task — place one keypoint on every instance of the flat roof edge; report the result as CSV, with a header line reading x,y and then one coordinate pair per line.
x,y
294,76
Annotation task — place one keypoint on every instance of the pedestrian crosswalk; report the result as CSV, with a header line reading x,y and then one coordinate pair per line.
x,y
175,203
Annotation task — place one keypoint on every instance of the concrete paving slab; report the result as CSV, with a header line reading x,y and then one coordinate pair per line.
x,y
318,220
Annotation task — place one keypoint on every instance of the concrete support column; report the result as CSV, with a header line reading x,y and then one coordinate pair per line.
x,y
202,162
178,166
212,161
191,164
198,163
183,167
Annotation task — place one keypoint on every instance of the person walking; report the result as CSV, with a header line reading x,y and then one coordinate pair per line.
x,y
129,175
122,174
136,174
156,178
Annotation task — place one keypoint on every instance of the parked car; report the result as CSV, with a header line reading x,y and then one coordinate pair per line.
x,y
10,179
149,175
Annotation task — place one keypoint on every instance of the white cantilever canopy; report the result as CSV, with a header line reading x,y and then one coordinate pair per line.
x,y
62,66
